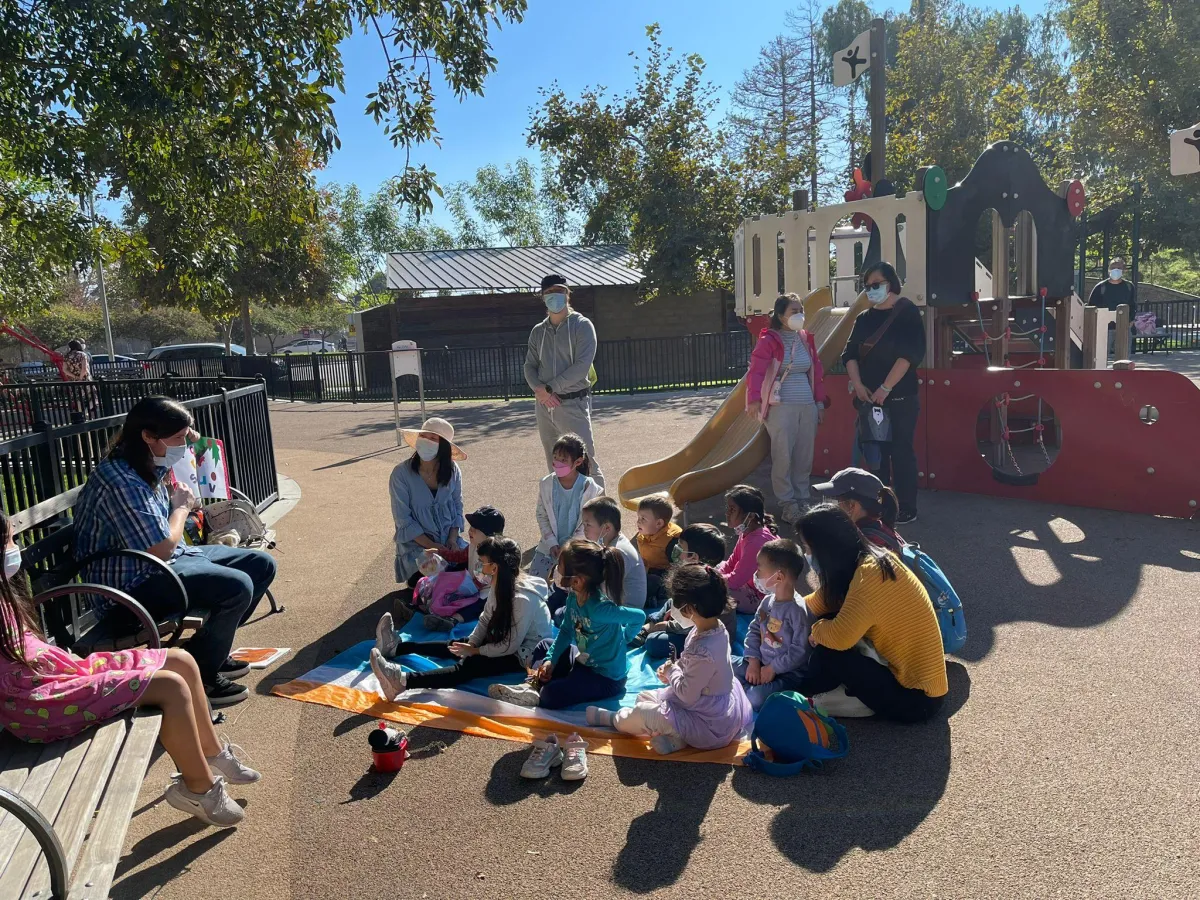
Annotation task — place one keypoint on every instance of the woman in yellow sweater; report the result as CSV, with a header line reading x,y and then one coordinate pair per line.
x,y
867,592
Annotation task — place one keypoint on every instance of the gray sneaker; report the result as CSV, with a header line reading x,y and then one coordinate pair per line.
x,y
790,512
574,765
392,679
523,694
545,756
434,622
214,808
385,636
666,744
228,764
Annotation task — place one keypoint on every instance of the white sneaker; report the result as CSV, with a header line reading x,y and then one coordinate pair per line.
x,y
228,764
523,694
790,512
385,636
574,767
544,757
392,679
839,704
214,808
666,744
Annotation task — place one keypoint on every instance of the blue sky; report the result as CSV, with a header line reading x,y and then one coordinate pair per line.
x,y
576,43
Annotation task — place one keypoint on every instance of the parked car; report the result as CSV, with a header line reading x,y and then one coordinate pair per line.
x,y
194,351
190,360
115,366
309,345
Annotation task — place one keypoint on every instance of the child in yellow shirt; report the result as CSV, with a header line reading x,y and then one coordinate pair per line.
x,y
656,535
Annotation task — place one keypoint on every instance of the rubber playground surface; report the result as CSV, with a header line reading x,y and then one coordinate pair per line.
x,y
1066,763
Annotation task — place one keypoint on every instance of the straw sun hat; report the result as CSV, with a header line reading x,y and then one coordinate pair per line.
x,y
434,427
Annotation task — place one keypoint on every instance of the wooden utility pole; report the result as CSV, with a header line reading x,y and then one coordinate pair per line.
x,y
878,98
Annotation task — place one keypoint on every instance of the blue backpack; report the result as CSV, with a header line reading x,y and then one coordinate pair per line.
x,y
946,604
790,734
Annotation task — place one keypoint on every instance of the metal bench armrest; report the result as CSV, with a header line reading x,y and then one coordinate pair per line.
x,y
150,559
99,590
27,814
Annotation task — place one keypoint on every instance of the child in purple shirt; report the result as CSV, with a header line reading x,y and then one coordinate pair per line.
x,y
776,645
702,705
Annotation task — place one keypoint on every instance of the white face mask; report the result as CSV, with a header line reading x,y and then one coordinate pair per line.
x,y
426,449
172,456
796,321
678,617
768,586
482,578
877,294
12,562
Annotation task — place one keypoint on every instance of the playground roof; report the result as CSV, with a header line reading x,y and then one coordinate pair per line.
x,y
510,268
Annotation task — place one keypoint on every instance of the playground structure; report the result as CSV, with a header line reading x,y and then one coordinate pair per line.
x,y
1017,398
29,339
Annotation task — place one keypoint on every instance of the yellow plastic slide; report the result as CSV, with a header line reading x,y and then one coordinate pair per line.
x,y
732,443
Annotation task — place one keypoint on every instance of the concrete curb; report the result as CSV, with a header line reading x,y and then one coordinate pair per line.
x,y
289,496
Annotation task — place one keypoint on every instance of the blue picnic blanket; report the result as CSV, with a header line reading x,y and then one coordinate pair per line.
x,y
641,675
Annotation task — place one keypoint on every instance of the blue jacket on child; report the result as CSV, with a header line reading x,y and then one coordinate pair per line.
x,y
600,631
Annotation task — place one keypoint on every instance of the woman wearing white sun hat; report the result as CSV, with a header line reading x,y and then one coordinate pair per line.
x,y
426,492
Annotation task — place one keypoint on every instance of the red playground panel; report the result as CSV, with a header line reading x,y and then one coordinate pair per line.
x,y
1109,457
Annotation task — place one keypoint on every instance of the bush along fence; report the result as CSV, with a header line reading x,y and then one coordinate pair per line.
x,y
482,373
50,461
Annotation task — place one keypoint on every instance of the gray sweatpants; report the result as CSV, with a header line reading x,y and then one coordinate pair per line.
x,y
572,417
793,431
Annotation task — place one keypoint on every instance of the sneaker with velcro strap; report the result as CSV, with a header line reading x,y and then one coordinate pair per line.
x,y
223,692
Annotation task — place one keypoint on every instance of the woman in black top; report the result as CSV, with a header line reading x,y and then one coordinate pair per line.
x,y
883,371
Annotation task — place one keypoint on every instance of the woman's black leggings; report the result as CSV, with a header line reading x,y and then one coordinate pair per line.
x,y
898,458
873,684
464,669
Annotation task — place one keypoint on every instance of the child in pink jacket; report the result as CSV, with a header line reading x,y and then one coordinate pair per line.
x,y
745,512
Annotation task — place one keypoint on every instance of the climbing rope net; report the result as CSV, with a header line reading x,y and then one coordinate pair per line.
x,y
1003,401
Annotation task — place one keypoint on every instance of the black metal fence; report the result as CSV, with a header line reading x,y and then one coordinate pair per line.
x,y
53,460
1177,326
61,403
497,373
451,373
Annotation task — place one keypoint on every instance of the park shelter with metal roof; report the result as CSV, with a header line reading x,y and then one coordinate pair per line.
x,y
499,269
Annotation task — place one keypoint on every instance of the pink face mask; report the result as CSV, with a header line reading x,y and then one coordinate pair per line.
x,y
562,469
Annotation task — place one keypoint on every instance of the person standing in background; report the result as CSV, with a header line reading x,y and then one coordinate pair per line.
x,y
1111,294
558,369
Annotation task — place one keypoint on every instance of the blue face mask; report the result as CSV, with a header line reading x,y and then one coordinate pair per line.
x,y
556,302
1115,274
877,293
812,564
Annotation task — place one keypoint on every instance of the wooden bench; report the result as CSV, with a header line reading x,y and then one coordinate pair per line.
x,y
73,619
68,803
68,807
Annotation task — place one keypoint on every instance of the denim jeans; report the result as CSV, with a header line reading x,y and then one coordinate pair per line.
x,y
228,582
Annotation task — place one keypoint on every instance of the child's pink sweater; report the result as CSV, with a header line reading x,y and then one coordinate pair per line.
x,y
739,569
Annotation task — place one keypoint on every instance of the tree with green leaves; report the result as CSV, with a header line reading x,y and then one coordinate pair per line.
x,y
158,103
514,207
275,323
1135,72
648,164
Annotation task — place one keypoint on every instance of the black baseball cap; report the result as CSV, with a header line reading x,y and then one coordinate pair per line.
x,y
851,482
487,519
553,281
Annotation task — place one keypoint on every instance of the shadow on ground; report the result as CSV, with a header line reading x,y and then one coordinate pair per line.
x,y
660,842
479,420
874,798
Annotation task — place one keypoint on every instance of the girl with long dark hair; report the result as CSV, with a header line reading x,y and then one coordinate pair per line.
x,y
52,694
866,592
513,622
128,503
